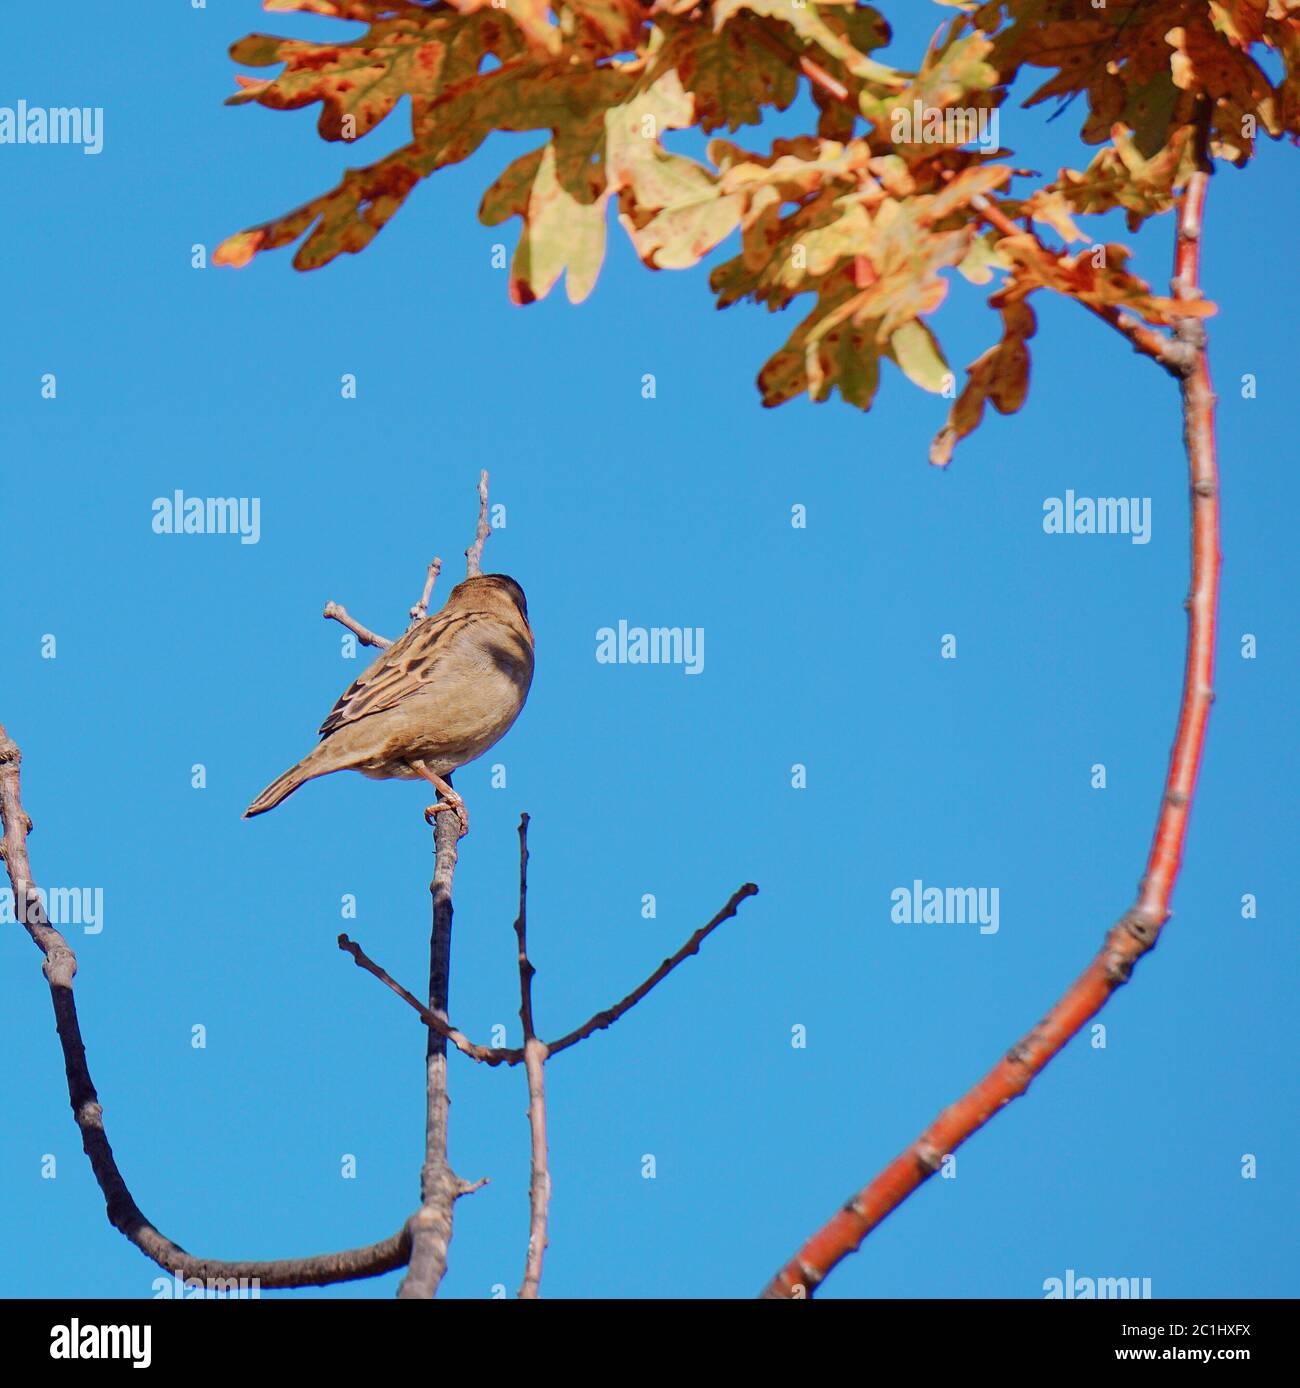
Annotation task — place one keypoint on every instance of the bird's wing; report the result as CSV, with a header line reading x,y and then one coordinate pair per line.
x,y
410,663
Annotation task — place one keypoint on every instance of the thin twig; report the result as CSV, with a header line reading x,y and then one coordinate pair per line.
x,y
123,1212
1144,340
611,1015
814,72
421,609
489,1055
337,612
1138,930
535,1054
474,554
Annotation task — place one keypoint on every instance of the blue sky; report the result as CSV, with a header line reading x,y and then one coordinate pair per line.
x,y
822,649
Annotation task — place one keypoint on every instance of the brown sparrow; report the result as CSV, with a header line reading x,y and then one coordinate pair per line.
x,y
435,699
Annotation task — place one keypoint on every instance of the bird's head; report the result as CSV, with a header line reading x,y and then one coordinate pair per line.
x,y
497,585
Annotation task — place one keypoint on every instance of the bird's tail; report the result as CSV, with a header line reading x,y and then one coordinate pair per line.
x,y
284,786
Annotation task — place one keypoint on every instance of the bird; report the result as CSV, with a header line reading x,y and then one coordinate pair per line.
x,y
438,697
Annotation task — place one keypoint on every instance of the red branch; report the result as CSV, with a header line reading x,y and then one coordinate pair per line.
x,y
1137,931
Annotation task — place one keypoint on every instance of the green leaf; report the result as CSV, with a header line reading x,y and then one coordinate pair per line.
x,y
913,346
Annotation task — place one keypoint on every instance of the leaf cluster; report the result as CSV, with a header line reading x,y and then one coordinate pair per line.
x,y
867,215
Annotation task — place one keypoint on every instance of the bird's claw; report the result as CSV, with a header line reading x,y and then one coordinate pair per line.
x,y
458,806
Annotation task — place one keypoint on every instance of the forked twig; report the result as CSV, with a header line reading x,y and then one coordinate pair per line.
x,y
506,1055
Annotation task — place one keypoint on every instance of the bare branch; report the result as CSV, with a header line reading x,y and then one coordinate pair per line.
x,y
440,1187
338,613
430,1228
526,970
474,554
421,609
535,1054
123,1212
